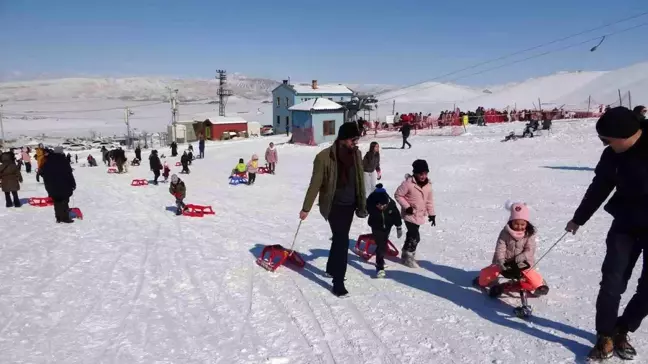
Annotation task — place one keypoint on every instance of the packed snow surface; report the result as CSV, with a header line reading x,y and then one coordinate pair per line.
x,y
133,283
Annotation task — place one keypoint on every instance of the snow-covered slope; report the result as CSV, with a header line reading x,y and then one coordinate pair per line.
x,y
571,89
132,283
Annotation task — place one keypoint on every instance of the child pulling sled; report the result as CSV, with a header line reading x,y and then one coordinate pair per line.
x,y
179,191
383,215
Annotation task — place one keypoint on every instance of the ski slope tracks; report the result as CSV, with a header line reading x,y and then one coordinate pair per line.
x,y
133,283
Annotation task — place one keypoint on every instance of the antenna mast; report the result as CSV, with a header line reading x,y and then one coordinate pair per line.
x,y
223,93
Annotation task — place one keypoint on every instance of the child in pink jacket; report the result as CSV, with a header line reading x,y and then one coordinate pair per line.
x,y
271,158
415,197
516,244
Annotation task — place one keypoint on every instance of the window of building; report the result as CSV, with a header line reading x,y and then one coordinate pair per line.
x,y
329,127
278,120
287,102
278,101
287,120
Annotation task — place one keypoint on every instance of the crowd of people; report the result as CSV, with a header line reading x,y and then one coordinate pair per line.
x,y
343,180
345,183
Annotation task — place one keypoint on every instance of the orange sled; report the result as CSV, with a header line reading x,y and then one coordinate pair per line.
x,y
197,210
364,244
522,280
41,201
273,256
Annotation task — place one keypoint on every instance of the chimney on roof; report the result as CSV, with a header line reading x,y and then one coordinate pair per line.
x,y
285,82
314,85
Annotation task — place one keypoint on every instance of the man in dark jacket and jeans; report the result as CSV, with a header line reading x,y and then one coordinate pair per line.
x,y
624,166
59,183
338,179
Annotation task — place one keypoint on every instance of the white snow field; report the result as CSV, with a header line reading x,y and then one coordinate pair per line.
x,y
133,283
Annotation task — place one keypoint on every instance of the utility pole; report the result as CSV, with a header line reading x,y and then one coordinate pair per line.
x,y
223,93
394,107
2,142
127,114
174,112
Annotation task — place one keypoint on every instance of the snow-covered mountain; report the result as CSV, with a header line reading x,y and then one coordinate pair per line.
x,y
145,88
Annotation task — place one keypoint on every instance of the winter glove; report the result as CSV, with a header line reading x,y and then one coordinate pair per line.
x,y
432,219
399,232
361,214
409,211
379,175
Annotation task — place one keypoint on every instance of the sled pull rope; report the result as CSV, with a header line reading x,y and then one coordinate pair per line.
x,y
553,246
295,238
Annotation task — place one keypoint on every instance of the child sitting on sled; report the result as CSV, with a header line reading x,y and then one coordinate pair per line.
x,y
515,249
252,169
240,168
179,191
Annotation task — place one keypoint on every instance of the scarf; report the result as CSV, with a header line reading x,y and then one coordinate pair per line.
x,y
345,159
517,235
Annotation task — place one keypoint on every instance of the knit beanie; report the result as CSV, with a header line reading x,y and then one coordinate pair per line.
x,y
174,179
381,195
519,211
420,166
618,122
348,131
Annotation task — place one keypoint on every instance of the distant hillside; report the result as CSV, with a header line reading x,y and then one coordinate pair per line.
x,y
144,89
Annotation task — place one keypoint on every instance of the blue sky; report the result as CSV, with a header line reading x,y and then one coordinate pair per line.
x,y
378,41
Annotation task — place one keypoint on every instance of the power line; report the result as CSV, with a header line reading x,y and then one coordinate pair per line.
x,y
88,110
509,63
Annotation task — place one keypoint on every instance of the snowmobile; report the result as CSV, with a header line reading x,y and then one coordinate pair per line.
x,y
521,280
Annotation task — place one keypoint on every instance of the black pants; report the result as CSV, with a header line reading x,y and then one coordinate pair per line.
x,y
28,167
185,168
201,155
406,142
156,175
180,204
16,200
251,178
271,167
412,237
340,219
623,251
61,208
380,237
38,175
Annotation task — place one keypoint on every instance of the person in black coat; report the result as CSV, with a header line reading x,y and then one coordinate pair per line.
x,y
174,149
185,160
406,129
383,215
623,166
156,165
138,153
59,183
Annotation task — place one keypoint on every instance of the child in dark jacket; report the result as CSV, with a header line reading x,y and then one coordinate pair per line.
x,y
179,191
383,214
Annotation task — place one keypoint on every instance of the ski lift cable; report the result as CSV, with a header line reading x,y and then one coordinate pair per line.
x,y
530,49
513,62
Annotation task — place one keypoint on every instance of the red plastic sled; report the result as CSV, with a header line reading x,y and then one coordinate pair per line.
x,y
366,241
139,182
273,256
178,164
41,201
197,210
263,170
112,170
76,212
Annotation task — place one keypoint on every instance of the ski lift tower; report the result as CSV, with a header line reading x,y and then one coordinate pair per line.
x,y
223,93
